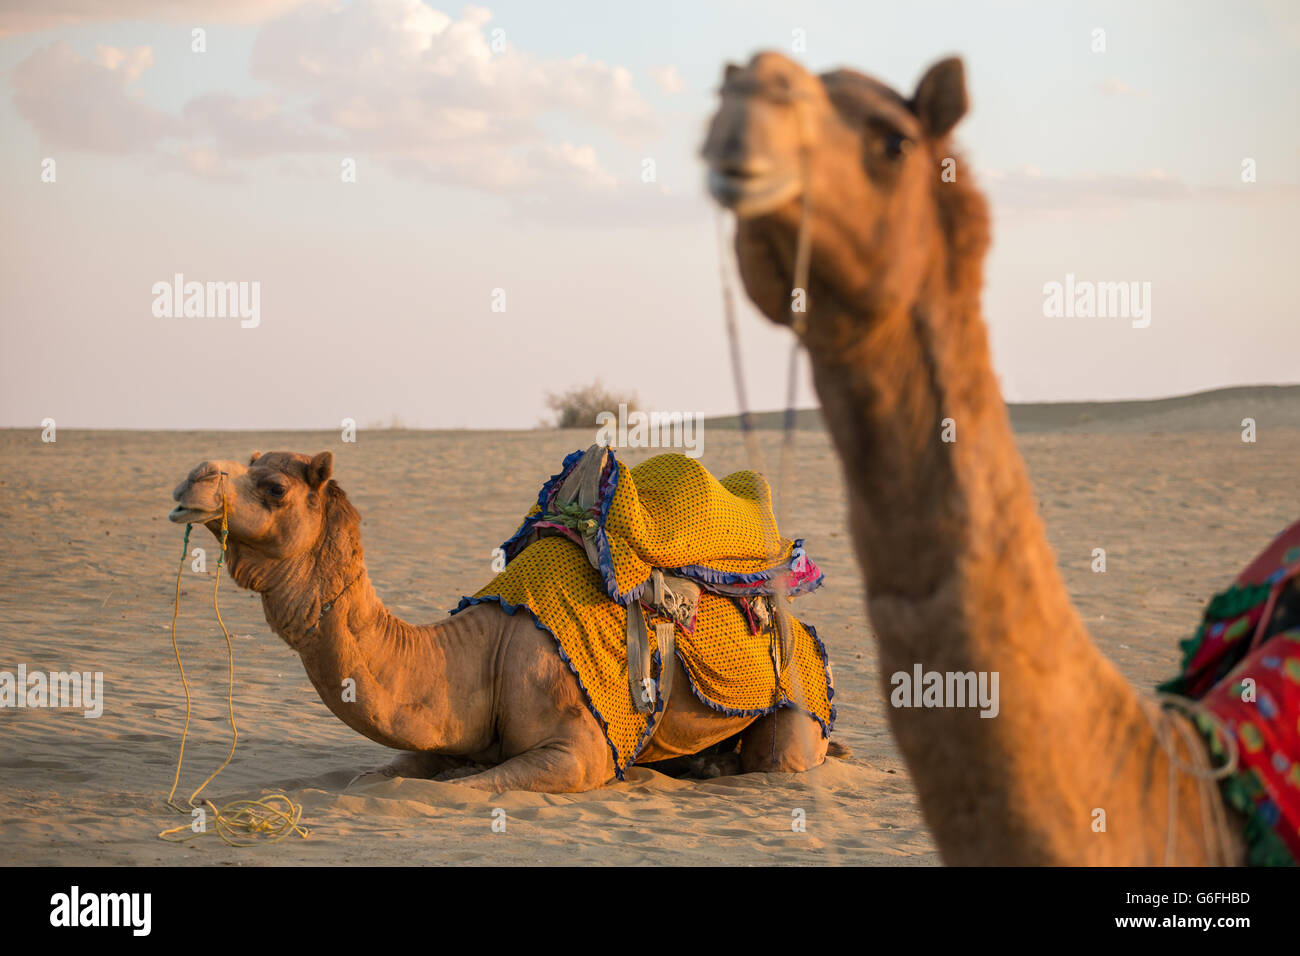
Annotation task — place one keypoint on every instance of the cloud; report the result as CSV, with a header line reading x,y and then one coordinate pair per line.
x,y
668,79
575,164
1027,189
29,16
627,203
77,103
131,63
388,70
1112,86
203,164
253,127
395,82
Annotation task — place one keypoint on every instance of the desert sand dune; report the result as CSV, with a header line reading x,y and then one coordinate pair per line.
x,y
87,560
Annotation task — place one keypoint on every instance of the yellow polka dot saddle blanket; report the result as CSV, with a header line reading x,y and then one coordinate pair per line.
x,y
1243,664
626,567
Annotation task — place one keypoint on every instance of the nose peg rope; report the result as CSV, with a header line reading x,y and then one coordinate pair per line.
x,y
267,819
798,323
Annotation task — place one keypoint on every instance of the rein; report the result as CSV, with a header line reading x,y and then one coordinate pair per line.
x,y
779,627
798,323
268,819
1216,831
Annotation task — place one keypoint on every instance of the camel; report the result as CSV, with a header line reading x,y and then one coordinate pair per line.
x,y
482,697
959,575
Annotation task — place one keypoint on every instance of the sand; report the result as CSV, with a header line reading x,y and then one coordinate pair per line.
x,y
87,560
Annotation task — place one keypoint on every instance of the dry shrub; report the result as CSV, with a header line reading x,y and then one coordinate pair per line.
x,y
579,406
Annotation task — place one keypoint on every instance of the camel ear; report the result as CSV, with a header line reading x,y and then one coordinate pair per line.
x,y
256,455
940,99
320,469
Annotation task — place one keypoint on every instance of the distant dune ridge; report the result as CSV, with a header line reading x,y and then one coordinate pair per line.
x,y
1200,411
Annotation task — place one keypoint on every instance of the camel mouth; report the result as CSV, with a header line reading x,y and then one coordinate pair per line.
x,y
182,515
752,190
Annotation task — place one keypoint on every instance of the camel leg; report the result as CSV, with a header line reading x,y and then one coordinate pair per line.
x,y
562,767
422,766
799,745
415,765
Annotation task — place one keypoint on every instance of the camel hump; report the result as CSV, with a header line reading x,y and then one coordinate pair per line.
x,y
837,749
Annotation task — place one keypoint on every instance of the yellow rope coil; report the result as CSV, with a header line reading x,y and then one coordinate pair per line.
x,y
267,819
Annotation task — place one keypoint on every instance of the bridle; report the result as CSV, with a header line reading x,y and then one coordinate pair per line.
x,y
779,626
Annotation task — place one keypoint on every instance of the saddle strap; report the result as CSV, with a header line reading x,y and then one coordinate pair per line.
x,y
674,597
639,681
666,640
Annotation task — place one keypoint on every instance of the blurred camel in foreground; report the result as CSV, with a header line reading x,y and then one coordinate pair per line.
x,y
959,575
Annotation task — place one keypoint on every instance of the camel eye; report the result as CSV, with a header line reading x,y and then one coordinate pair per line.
x,y
274,490
884,139
896,145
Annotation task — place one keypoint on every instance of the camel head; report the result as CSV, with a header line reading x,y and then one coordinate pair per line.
x,y
867,160
277,509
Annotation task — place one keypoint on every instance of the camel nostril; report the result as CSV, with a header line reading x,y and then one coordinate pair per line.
x,y
742,168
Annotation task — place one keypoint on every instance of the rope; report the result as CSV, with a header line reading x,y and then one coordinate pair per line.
x,y
1217,832
753,451
798,322
269,819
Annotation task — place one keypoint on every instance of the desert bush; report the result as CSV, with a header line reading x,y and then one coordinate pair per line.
x,y
579,406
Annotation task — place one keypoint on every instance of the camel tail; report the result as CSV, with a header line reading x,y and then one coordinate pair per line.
x,y
837,749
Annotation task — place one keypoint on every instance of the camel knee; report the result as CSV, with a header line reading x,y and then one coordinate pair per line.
x,y
557,769
565,767
788,741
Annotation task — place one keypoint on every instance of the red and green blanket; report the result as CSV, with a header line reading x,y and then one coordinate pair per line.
x,y
1243,664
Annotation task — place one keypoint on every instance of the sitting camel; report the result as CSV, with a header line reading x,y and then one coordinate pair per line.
x,y
482,687
959,575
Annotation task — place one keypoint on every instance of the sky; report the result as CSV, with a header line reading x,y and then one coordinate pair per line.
x,y
500,241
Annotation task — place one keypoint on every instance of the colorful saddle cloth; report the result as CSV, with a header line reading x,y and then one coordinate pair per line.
x,y
668,513
1243,663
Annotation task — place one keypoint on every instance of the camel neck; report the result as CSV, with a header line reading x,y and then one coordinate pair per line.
x,y
385,678
961,581
935,477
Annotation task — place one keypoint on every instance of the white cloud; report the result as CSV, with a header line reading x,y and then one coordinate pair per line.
x,y
28,16
1027,189
575,164
396,81
668,79
77,103
204,164
1113,86
131,62
253,127
401,64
